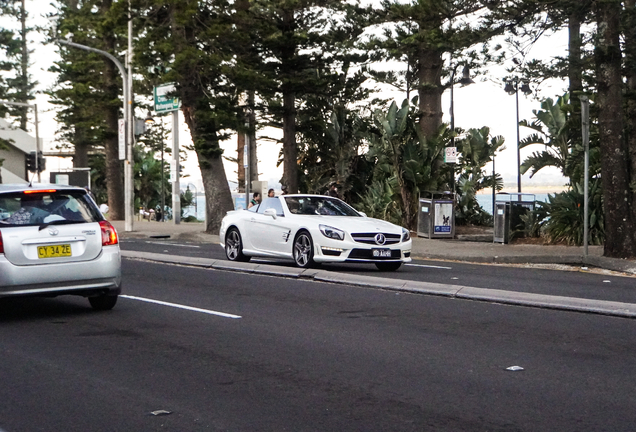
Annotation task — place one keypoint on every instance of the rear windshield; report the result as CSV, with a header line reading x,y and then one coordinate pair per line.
x,y
58,207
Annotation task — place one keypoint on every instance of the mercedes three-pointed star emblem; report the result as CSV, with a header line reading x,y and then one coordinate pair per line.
x,y
380,239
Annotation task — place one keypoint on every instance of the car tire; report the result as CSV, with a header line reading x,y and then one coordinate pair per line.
x,y
303,250
103,302
234,246
388,266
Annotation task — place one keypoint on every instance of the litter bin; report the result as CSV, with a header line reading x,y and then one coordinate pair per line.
x,y
436,215
509,207
502,222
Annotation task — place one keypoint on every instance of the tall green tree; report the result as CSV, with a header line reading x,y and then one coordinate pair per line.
x,y
88,88
189,44
425,33
20,86
618,194
303,47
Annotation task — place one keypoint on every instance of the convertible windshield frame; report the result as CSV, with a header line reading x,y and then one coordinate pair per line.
x,y
319,205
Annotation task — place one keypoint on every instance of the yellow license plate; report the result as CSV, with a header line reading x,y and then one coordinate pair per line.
x,y
54,251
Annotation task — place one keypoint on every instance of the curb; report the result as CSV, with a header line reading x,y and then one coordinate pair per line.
x,y
602,307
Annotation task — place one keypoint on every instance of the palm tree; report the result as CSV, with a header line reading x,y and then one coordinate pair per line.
x,y
552,130
477,149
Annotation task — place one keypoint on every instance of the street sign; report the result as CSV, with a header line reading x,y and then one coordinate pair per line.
x,y
163,102
122,139
450,155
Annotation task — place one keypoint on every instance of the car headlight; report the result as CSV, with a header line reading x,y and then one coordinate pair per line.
x,y
406,235
331,232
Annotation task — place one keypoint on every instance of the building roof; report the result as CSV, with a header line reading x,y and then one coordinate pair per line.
x,y
17,138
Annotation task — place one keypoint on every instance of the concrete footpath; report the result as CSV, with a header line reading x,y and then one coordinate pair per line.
x,y
451,250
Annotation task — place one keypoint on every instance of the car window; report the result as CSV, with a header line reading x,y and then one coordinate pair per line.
x,y
269,203
316,205
47,207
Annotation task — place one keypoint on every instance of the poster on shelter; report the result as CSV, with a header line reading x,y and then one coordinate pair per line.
x,y
443,214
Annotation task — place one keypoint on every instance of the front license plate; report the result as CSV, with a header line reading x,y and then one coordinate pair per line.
x,y
54,251
381,253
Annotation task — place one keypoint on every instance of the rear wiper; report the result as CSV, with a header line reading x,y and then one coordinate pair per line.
x,y
58,222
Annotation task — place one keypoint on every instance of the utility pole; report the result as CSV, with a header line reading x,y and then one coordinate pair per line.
x,y
127,120
176,185
129,186
585,123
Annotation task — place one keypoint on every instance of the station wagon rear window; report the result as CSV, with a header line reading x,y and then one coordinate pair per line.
x,y
50,207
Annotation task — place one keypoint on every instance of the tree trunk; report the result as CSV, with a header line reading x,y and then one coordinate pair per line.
x,y
253,146
619,229
80,158
114,171
630,71
430,90
204,133
24,59
218,199
290,150
240,161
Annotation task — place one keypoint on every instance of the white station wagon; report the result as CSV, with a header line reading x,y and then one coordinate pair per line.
x,y
54,241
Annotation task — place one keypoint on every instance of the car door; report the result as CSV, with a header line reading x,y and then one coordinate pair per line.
x,y
268,233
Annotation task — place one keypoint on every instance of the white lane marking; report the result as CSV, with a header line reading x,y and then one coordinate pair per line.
x,y
429,266
175,305
173,244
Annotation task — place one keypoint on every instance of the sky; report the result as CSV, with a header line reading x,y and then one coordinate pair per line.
x,y
481,104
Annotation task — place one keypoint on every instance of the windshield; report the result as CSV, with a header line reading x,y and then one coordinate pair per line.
x,y
318,205
49,207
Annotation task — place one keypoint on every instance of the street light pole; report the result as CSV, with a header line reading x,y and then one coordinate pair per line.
x,y
37,132
128,184
464,81
512,87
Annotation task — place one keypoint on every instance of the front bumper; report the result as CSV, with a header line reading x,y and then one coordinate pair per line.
x,y
335,251
99,276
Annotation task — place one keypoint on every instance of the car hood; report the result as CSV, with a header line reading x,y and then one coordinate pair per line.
x,y
358,225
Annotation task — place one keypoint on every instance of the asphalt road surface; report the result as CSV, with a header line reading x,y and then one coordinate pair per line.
x,y
236,352
598,286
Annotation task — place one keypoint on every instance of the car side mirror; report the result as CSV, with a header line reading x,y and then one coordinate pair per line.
x,y
363,214
270,212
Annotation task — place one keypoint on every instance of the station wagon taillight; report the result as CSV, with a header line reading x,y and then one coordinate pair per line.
x,y
109,235
38,191
1,245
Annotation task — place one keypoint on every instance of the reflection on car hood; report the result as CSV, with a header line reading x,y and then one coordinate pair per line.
x,y
357,225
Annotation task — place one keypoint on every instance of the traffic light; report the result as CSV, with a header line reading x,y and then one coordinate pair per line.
x,y
30,162
41,162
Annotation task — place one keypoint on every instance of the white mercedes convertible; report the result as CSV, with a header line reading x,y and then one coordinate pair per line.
x,y
311,229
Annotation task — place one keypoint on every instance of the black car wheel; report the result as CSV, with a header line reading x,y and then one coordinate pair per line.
x,y
388,266
234,246
103,302
303,250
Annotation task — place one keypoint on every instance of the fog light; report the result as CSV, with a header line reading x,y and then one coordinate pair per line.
x,y
331,251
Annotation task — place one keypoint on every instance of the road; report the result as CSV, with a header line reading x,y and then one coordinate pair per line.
x,y
598,286
297,355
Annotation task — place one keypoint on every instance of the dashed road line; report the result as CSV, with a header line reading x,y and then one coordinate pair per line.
x,y
180,306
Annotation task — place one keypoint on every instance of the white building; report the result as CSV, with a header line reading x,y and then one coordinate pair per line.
x,y
20,143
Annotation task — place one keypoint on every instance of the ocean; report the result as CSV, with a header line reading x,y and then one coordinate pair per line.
x,y
485,200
